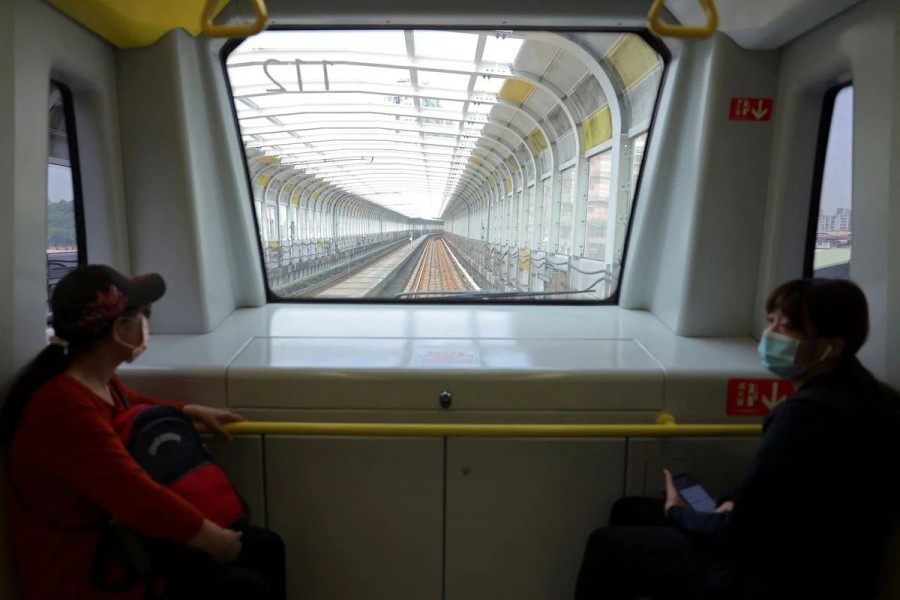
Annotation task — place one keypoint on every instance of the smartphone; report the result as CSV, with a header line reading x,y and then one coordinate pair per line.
x,y
693,493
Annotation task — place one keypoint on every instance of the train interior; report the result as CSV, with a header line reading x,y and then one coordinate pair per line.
x,y
621,201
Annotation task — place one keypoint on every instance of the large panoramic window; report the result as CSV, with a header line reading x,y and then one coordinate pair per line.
x,y
833,208
422,165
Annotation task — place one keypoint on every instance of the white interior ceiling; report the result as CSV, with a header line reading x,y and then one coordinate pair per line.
x,y
762,24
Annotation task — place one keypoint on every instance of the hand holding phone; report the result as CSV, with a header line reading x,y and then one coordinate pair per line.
x,y
693,493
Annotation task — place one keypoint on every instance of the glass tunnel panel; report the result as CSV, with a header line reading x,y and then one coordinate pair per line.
x,y
426,165
598,206
566,206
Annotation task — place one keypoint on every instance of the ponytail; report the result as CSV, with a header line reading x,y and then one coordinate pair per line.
x,y
53,360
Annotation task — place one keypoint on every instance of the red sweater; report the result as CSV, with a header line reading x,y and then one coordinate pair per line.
x,y
67,466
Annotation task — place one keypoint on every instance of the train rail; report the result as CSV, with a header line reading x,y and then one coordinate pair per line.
x,y
437,271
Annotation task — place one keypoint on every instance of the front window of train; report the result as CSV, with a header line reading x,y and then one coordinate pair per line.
x,y
423,165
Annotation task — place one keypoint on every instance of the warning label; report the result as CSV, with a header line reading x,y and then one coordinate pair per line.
x,y
756,396
750,109
447,358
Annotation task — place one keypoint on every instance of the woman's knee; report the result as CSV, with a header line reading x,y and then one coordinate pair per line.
x,y
264,553
637,511
237,583
262,544
601,537
264,538
599,543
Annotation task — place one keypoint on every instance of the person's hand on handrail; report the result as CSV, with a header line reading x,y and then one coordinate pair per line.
x,y
214,419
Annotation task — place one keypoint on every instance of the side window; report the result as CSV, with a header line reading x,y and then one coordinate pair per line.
x,y
65,223
831,218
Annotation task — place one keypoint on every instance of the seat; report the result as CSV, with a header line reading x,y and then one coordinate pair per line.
x,y
889,586
8,586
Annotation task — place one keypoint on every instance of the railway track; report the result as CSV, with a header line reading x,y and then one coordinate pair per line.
x,y
437,271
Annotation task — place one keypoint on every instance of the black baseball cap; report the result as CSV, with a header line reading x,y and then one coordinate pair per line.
x,y
89,298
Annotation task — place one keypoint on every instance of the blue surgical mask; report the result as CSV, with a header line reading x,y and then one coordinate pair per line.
x,y
778,353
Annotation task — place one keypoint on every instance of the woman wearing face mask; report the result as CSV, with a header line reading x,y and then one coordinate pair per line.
x,y
67,468
810,518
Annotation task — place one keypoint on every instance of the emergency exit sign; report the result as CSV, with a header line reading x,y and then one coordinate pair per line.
x,y
749,397
750,109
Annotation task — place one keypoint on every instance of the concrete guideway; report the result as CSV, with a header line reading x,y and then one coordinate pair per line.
x,y
368,281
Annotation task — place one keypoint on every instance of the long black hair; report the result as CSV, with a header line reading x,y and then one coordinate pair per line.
x,y
52,360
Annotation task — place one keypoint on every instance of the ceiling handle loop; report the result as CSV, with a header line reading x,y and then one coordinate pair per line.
x,y
664,30
245,30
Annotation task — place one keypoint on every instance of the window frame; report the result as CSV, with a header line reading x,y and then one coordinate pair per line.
x,y
818,176
68,109
646,127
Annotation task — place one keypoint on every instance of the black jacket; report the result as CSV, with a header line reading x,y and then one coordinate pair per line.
x,y
811,515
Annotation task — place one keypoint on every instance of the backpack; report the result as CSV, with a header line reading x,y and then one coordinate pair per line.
x,y
163,440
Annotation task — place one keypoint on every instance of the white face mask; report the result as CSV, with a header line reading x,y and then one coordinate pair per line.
x,y
136,350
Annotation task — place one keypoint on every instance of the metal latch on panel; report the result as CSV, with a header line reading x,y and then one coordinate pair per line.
x,y
445,399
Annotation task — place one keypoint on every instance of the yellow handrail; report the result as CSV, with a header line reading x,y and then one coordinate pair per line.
x,y
491,430
663,30
246,30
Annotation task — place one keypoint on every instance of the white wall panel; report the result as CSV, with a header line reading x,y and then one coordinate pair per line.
x,y
520,511
482,374
242,459
719,463
361,518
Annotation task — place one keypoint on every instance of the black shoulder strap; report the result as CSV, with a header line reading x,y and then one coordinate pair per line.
x,y
119,394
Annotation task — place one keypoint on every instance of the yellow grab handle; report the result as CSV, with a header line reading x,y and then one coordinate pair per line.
x,y
213,30
663,30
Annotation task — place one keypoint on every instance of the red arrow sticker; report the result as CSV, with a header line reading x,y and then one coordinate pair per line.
x,y
750,109
756,396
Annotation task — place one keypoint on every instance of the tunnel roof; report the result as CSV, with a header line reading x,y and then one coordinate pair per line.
x,y
419,121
